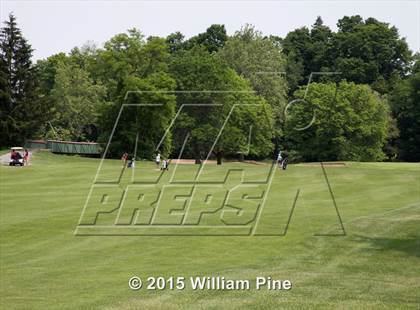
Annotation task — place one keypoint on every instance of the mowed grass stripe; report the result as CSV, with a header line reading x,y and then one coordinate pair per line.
x,y
44,266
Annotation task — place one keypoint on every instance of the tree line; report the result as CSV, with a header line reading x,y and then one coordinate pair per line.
x,y
352,94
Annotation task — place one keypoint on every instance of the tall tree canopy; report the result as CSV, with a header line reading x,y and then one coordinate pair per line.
x,y
22,112
259,60
128,54
344,121
77,102
307,51
134,71
149,107
218,92
370,52
364,51
213,39
405,105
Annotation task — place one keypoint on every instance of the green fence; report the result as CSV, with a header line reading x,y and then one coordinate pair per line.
x,y
65,147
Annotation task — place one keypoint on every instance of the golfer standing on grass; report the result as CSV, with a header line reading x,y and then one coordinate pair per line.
x,y
26,158
165,164
124,158
157,160
279,159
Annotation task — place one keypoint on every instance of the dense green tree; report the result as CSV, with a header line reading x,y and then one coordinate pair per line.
x,y
294,72
364,51
119,58
129,65
149,107
307,50
175,41
216,89
212,40
47,70
128,54
345,122
405,105
66,85
4,97
21,111
77,102
85,56
321,37
260,60
296,46
369,52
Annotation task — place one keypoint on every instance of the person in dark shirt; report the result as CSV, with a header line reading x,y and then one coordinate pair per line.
x,y
285,161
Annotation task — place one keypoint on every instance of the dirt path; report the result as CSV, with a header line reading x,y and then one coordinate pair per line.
x,y
188,161
325,164
4,159
212,162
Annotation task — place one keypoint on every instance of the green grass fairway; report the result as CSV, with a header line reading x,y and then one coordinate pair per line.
x,y
376,265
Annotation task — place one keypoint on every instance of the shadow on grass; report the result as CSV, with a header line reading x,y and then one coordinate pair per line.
x,y
409,245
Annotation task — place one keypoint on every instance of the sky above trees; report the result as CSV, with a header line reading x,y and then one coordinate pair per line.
x,y
58,26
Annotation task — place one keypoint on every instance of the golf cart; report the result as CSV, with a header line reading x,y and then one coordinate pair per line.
x,y
16,156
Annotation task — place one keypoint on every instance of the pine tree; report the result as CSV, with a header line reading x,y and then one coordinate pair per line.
x,y
21,112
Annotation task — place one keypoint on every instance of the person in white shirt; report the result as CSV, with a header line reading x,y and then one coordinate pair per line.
x,y
279,159
164,165
131,163
157,160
